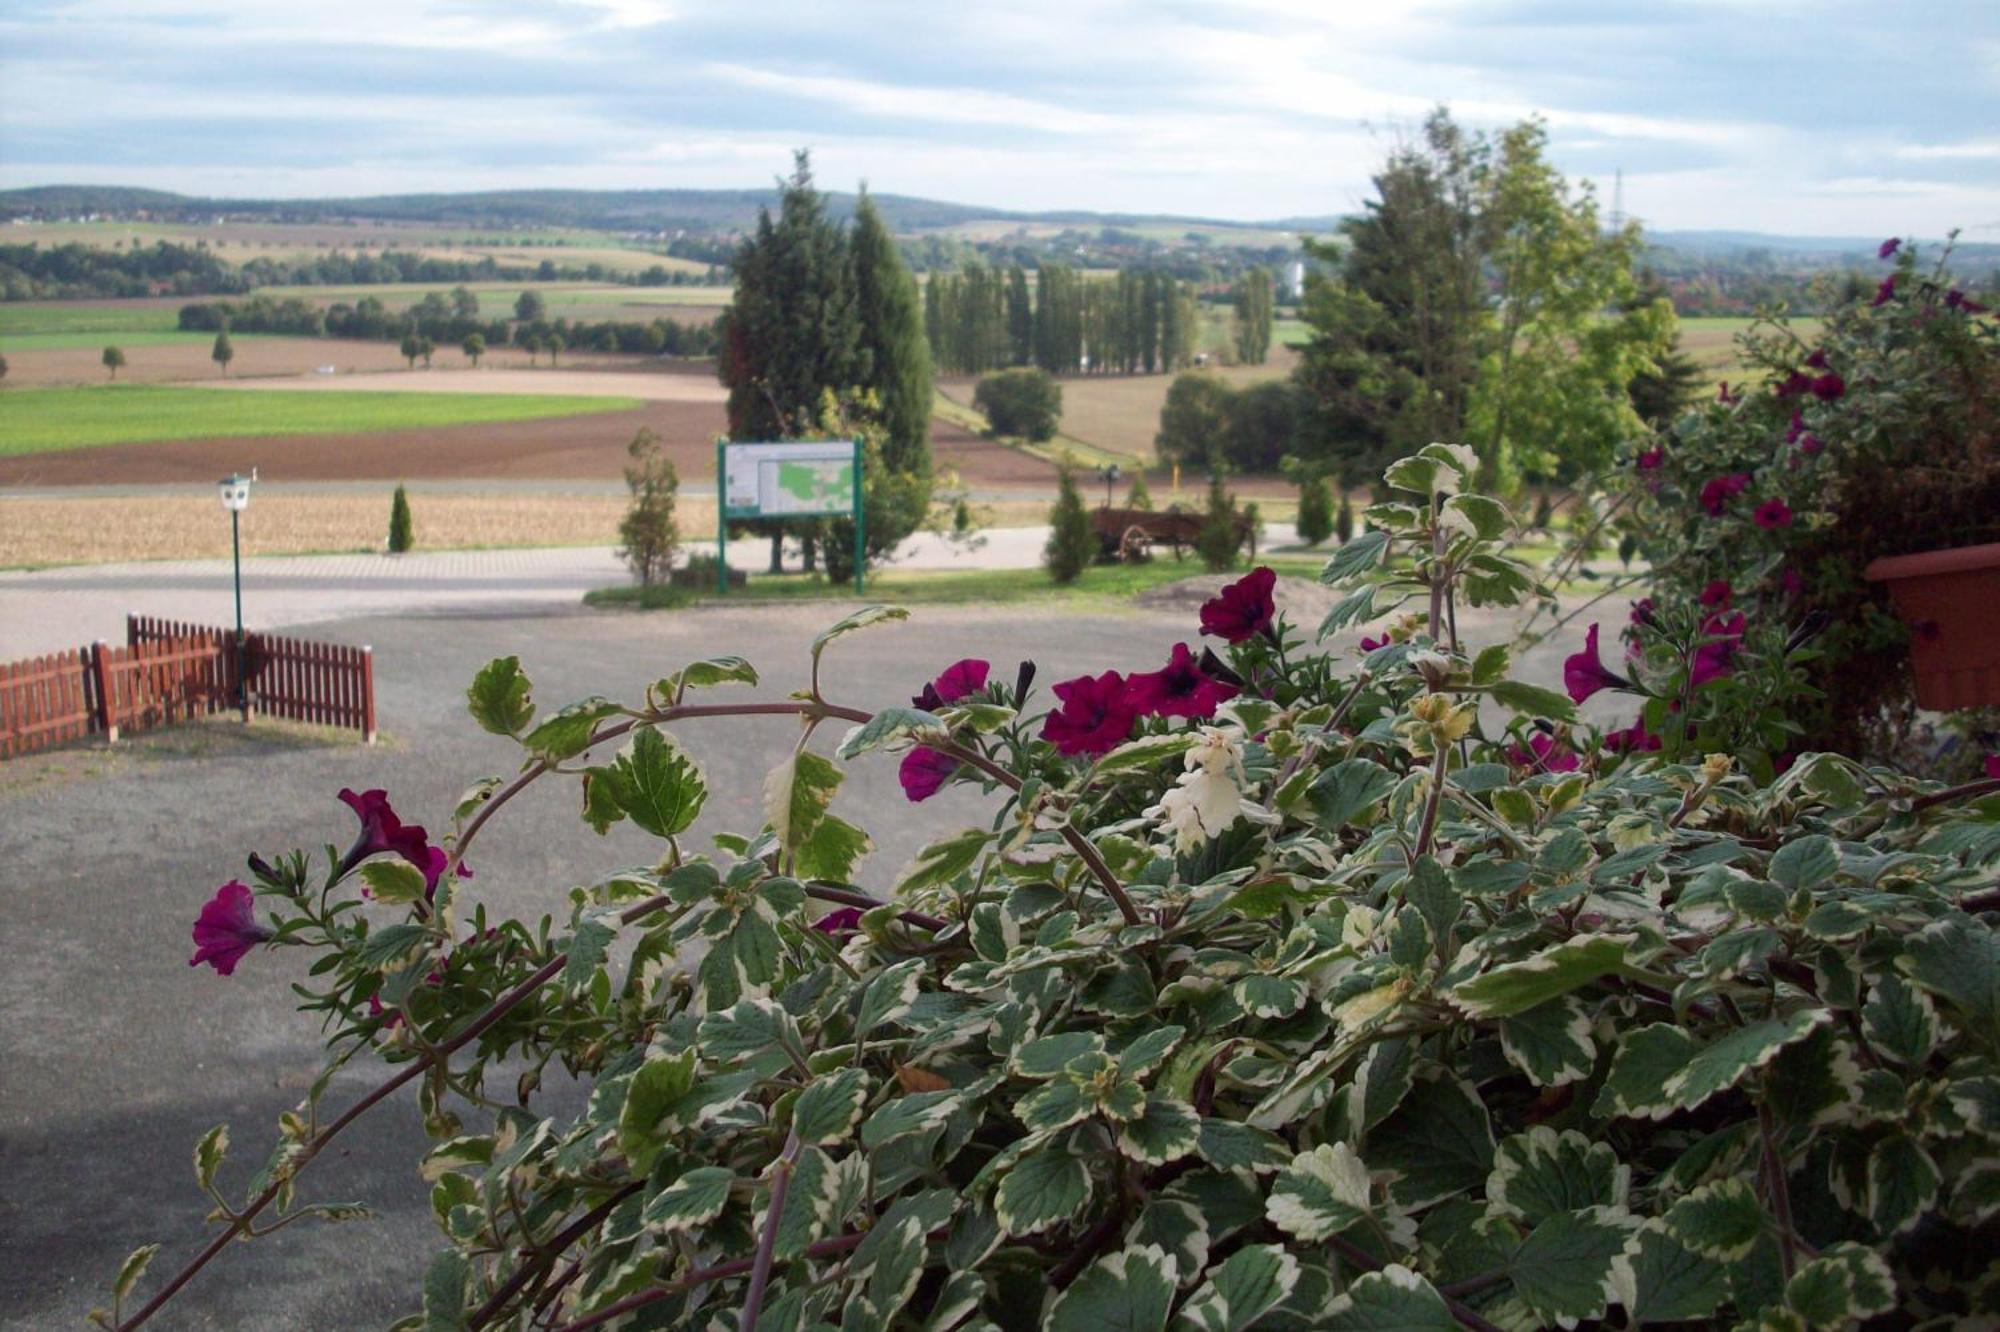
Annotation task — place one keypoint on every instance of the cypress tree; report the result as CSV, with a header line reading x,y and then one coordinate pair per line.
x,y
1020,318
1217,542
894,359
1315,511
1071,542
402,531
1343,523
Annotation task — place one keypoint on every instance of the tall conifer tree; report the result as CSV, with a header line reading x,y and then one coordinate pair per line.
x,y
894,359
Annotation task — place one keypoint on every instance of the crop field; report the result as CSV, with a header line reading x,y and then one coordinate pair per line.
x,y
126,340
1121,413
21,319
44,420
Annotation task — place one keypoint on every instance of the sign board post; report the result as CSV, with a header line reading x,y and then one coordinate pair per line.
x,y
818,478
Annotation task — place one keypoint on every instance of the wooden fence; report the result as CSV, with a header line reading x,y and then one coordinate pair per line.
x,y
169,672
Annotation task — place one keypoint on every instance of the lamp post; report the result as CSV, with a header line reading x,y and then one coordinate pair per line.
x,y
1110,474
234,492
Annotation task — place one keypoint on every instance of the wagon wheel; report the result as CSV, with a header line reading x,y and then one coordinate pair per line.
x,y
1135,547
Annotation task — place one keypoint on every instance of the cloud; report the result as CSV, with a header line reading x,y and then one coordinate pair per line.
x,y
1819,118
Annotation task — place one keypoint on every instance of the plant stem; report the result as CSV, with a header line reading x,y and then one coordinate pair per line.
x,y
767,1243
529,1270
1781,1195
1077,841
1971,790
720,1272
851,897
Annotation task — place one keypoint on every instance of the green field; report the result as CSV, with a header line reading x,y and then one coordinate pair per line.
x,y
31,318
497,298
45,420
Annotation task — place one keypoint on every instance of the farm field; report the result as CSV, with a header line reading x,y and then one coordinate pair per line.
x,y
157,359
39,318
616,381
43,420
127,340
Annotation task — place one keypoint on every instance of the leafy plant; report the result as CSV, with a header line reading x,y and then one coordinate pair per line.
x,y
648,530
1270,997
1025,402
1222,527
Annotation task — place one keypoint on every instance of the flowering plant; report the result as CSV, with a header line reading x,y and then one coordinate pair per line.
x,y
1875,434
1307,1001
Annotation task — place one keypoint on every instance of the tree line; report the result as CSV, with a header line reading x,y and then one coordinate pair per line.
x,y
73,271
443,318
981,318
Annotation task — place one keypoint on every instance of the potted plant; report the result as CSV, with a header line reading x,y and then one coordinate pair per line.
x,y
1951,601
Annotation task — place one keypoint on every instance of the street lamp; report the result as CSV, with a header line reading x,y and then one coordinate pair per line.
x,y
1110,474
234,491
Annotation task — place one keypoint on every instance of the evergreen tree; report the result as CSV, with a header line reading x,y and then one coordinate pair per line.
x,y
1253,316
1220,535
223,352
1072,545
1141,496
1343,523
894,359
1020,319
1315,510
402,531
1662,394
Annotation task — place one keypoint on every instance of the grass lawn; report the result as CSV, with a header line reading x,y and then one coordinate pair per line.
x,y
24,319
1102,586
44,420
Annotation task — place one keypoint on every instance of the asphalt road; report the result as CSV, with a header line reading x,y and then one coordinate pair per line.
x,y
116,1055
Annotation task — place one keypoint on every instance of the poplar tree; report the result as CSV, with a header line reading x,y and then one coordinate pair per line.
x,y
1020,318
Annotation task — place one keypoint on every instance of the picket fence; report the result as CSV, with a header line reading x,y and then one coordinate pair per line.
x,y
169,672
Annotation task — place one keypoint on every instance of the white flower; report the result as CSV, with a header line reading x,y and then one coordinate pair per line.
x,y
1206,798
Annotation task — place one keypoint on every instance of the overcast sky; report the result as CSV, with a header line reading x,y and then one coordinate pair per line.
x,y
1817,117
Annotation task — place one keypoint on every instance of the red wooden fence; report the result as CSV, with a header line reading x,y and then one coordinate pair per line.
x,y
170,672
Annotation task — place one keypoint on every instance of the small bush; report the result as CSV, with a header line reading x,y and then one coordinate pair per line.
x,y
1026,402
648,529
1315,511
1139,497
1071,542
1221,530
402,530
1343,522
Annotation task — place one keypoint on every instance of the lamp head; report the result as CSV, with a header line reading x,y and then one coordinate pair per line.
x,y
234,491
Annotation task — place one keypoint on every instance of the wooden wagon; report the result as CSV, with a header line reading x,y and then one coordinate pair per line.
x,y
1129,535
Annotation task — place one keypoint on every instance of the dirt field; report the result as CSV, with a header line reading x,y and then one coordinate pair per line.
x,y
255,357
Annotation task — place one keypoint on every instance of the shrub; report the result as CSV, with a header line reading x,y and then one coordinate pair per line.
x,y
1877,435
114,360
648,530
1319,1004
1025,402
1221,535
1141,495
474,347
402,531
1315,510
1343,523
1072,545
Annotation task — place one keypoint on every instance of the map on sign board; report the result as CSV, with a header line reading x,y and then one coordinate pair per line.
x,y
783,480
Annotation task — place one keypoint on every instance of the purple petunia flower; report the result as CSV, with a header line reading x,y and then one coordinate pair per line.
x,y
957,681
1716,595
1794,384
1242,610
1829,386
1584,673
1182,689
1715,496
924,772
1642,611
227,929
1716,657
1886,292
1773,514
1993,766
1958,300
841,920
1889,247
1651,460
1543,754
1791,582
381,830
1818,359
1634,739
1095,716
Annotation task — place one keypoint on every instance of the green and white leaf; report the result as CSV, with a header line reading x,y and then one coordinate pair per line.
x,y
893,729
1516,987
694,1199
1248,1284
1044,1189
1565,1270
860,619
498,697
1721,1220
1129,1291
1322,1193
830,1107
1394,1299
1551,1042
1541,1173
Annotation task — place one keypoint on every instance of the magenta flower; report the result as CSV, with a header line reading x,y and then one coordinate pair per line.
x,y
1182,689
1795,429
1715,496
1375,644
1543,754
382,831
1716,657
1958,300
1791,582
1722,393
1653,459
1642,611
841,920
1633,739
1242,610
924,772
1812,445
1886,292
1717,594
959,679
1993,766
1773,514
1584,673
1829,387
226,929
1889,248
1095,716
1795,383
1818,359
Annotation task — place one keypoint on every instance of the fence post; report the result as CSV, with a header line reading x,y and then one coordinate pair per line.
x,y
107,713
368,692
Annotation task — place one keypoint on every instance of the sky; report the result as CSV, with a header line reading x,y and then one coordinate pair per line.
x,y
1823,118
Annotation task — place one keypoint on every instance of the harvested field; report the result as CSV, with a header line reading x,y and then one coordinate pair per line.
x,y
187,359
105,529
582,447
984,462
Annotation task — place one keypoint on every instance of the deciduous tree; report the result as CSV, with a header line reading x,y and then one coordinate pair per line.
x,y
114,361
